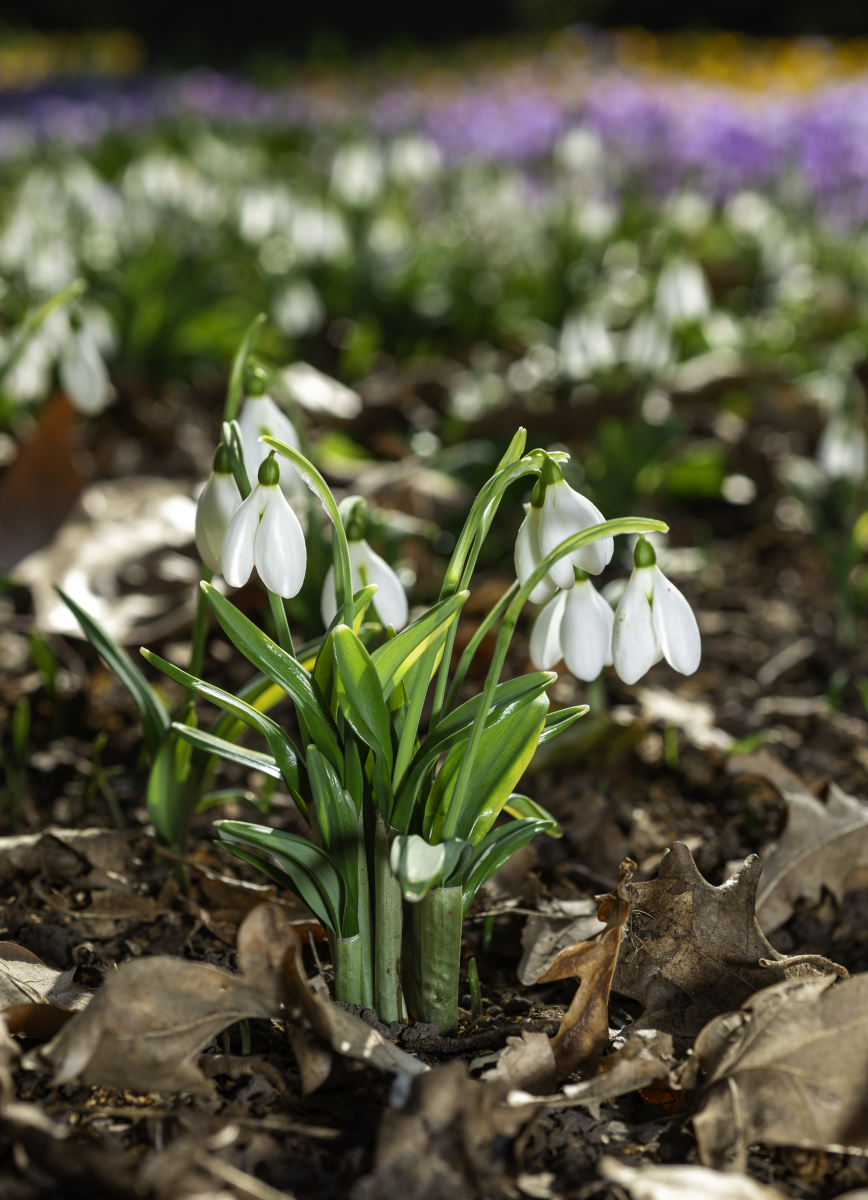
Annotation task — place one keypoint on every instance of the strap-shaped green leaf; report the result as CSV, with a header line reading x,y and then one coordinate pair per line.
x,y
220,748
284,670
260,693
339,828
279,743
394,659
166,787
310,869
361,700
155,718
455,729
528,810
557,722
507,745
496,848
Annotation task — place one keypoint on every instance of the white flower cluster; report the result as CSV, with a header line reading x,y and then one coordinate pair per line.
x,y
652,621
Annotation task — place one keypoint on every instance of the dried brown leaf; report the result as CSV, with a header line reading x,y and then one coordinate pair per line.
x,y
26,979
790,1069
684,1183
584,1031
692,950
560,924
824,841
100,858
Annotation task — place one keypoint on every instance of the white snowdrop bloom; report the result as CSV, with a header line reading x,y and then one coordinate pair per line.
x,y
357,174
217,505
414,159
83,374
841,450
265,533
586,346
528,555
565,512
575,626
682,293
390,600
260,415
653,621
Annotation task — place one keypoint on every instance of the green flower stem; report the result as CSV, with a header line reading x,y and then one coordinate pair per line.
x,y
507,628
33,320
200,626
366,932
239,366
389,998
441,913
411,959
349,971
278,611
316,483
473,645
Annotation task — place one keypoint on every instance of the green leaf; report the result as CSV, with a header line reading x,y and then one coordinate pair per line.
x,y
339,828
279,743
213,799
394,659
155,718
557,722
310,869
496,848
361,699
419,866
166,788
455,729
254,759
260,693
505,749
284,670
528,810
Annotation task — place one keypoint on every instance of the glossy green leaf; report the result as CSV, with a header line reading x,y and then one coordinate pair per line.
x,y
284,670
220,748
526,809
313,875
339,829
496,848
166,787
557,722
455,729
155,718
324,667
394,659
260,693
507,746
279,743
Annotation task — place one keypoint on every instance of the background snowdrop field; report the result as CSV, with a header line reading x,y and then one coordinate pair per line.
x,y
649,252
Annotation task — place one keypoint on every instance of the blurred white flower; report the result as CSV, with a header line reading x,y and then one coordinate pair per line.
x,y
298,310
575,626
217,505
357,174
586,346
414,159
83,374
841,450
682,292
653,621
264,533
390,600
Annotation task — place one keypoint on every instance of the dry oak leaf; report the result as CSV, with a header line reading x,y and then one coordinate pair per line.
x,y
559,924
825,839
692,950
26,979
146,1025
789,1069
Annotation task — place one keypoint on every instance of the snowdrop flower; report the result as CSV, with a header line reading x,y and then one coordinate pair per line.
x,y
217,505
367,567
265,533
83,374
260,415
561,513
682,292
575,626
653,621
841,451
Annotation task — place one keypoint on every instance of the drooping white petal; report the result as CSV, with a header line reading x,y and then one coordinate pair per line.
x,y
586,631
260,415
237,555
545,637
675,626
83,374
216,507
528,557
635,648
565,512
279,549
391,599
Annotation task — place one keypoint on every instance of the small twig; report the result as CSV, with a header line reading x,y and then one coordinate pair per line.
x,y
810,960
489,1039
240,1179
